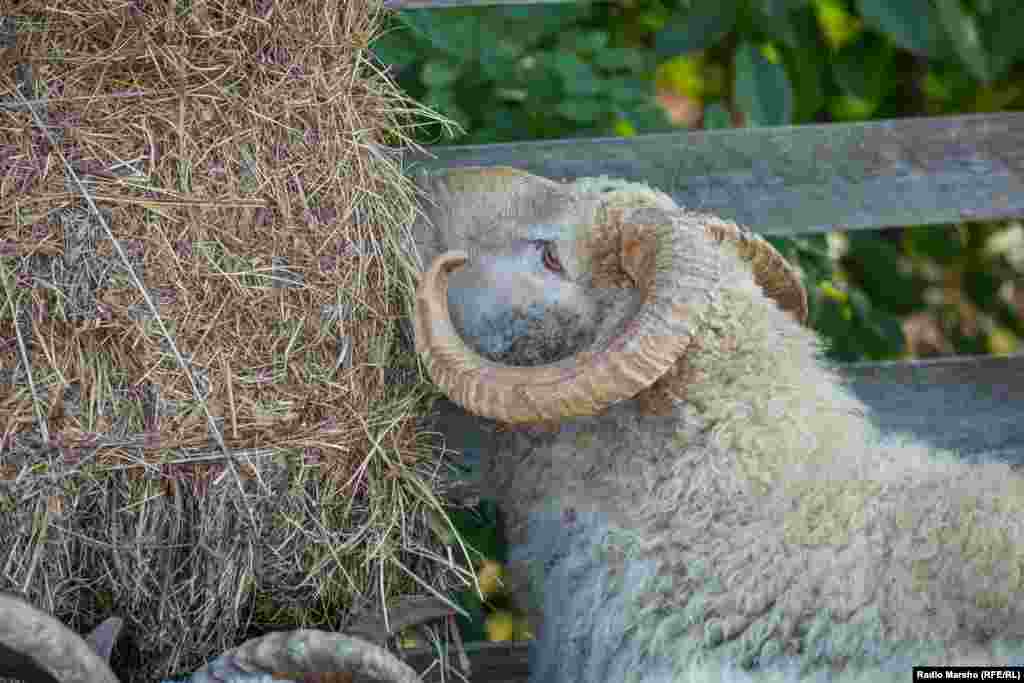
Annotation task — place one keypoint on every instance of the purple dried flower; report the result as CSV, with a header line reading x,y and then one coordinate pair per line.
x,y
183,249
263,217
150,438
39,312
165,296
327,214
7,248
40,230
312,455
134,249
72,456
25,173
90,167
328,264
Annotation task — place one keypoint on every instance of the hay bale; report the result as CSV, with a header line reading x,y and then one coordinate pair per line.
x,y
213,423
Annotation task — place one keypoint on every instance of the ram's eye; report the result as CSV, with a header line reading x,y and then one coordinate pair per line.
x,y
551,261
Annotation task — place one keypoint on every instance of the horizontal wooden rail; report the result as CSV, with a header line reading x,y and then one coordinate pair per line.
x,y
971,404
489,662
801,179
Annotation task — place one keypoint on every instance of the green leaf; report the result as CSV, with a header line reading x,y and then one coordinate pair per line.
x,y
1002,30
912,24
879,334
542,80
762,90
471,629
863,67
716,117
583,110
621,59
772,17
480,528
396,48
578,78
963,31
944,245
875,265
438,74
697,28
500,70
805,67
626,91
453,33
585,43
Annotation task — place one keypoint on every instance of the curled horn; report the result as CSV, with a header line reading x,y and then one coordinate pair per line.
x,y
36,647
779,280
672,257
676,269
305,652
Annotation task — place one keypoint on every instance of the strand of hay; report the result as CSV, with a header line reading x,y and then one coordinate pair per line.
x,y
209,402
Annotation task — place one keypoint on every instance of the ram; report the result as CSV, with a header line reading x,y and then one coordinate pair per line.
x,y
692,493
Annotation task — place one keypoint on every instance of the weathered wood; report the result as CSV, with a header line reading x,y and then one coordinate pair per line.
x,y
974,405
490,662
801,179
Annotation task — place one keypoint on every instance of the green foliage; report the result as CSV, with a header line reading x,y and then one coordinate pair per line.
x,y
592,69
762,90
523,72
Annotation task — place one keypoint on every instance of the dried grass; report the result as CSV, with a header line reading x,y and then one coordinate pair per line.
x,y
245,157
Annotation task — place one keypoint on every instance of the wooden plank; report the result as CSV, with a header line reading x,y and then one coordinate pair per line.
x,y
489,662
441,4
974,405
801,179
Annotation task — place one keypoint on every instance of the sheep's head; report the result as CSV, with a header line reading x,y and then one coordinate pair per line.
x,y
566,298
34,646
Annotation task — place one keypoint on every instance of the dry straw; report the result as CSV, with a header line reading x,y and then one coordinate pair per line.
x,y
209,401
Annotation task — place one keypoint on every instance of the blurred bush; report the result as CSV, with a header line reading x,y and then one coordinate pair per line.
x,y
643,66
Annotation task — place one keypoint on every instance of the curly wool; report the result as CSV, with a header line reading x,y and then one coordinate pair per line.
x,y
601,624
765,526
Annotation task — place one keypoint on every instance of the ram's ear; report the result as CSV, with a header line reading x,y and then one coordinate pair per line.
x,y
104,636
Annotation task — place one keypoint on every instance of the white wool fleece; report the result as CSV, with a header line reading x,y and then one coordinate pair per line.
x,y
600,625
764,531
